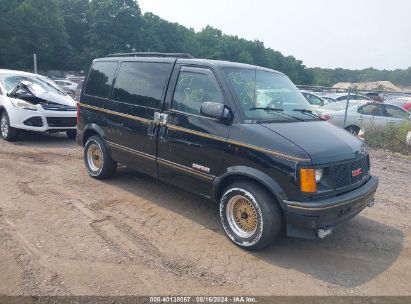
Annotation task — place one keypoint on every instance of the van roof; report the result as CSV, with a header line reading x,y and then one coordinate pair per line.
x,y
196,61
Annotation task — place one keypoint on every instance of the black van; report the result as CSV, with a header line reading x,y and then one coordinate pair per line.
x,y
240,135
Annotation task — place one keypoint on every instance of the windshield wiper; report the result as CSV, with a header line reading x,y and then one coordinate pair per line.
x,y
266,109
308,112
57,89
277,111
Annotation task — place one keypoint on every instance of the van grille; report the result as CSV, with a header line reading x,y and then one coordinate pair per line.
x,y
343,173
61,122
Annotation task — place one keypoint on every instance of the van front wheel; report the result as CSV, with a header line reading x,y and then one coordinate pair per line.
x,y
98,161
250,215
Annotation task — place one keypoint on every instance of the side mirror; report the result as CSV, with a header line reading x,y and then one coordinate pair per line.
x,y
216,110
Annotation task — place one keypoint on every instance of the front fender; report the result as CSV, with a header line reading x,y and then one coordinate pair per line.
x,y
253,174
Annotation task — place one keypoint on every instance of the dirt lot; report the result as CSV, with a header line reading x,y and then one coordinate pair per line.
x,y
62,232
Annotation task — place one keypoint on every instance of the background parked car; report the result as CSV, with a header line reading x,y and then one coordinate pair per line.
x,y
364,114
314,99
329,99
66,84
375,96
404,102
77,92
343,96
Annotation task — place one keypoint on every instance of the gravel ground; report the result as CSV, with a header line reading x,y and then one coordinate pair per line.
x,y
64,233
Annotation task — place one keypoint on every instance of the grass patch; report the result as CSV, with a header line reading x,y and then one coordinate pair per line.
x,y
392,138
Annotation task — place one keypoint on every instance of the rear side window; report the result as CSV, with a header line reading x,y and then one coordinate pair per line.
x,y
100,79
141,83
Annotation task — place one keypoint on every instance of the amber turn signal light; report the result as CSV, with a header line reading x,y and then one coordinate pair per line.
x,y
307,180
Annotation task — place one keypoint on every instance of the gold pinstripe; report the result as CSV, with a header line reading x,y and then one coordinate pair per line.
x,y
139,153
237,143
202,134
162,161
321,208
184,168
145,120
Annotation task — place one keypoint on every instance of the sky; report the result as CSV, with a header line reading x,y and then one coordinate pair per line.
x,y
353,34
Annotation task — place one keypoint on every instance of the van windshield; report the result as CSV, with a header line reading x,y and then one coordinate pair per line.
x,y
268,96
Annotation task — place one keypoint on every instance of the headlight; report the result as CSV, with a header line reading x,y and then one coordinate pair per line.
x,y
309,178
21,104
319,175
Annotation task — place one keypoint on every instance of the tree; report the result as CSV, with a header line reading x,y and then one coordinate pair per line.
x,y
114,26
33,29
74,14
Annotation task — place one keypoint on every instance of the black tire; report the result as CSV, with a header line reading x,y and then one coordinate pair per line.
x,y
6,132
354,130
267,212
72,134
99,165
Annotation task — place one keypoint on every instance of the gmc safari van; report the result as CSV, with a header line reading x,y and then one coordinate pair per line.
x,y
240,135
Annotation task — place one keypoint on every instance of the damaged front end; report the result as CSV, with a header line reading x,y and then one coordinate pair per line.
x,y
35,103
27,95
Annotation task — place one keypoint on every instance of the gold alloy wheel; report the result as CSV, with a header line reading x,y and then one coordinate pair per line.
x,y
242,216
95,157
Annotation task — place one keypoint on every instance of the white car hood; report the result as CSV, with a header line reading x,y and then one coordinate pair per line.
x,y
60,99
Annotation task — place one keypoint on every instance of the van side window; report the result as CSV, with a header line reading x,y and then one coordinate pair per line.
x,y
100,79
141,83
193,89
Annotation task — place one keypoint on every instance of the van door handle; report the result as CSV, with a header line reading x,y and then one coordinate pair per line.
x,y
160,118
163,133
152,130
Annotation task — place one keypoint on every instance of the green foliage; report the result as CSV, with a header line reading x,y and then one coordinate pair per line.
x,y
68,34
392,138
28,27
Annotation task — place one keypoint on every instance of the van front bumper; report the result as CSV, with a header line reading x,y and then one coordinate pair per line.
x,y
312,219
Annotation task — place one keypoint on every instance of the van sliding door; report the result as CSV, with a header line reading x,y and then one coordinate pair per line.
x,y
139,91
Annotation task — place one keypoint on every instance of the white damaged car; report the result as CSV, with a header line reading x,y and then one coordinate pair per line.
x,y
35,103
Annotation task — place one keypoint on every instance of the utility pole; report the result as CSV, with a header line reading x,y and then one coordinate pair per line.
x,y
346,107
35,63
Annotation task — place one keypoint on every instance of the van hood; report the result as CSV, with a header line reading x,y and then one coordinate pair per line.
x,y
323,142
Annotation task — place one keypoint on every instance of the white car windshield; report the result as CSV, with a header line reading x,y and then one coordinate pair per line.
x,y
39,83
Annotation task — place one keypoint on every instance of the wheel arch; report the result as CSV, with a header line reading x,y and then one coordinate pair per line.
x,y
90,130
242,173
352,126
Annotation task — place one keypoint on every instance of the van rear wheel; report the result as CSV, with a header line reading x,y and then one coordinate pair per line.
x,y
250,215
98,161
